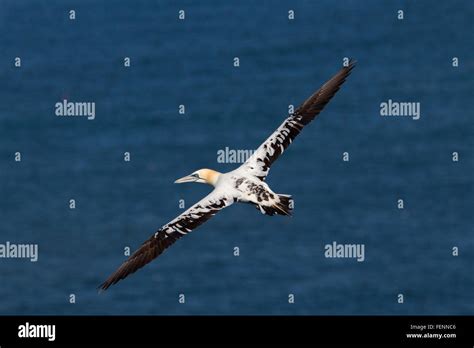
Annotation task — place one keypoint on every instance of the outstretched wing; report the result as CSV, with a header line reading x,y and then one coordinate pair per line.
x,y
170,233
259,163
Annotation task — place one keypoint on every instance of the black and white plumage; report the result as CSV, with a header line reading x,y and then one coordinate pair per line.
x,y
261,160
170,233
245,184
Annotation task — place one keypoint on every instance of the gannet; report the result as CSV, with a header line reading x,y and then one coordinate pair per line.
x,y
245,184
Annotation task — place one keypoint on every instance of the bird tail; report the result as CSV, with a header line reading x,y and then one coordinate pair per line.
x,y
285,205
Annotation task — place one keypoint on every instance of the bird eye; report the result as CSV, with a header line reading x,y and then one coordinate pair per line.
x,y
195,175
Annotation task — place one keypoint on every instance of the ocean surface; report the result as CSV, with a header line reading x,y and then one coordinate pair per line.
x,y
190,62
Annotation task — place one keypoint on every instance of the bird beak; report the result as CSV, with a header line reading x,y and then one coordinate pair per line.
x,y
188,178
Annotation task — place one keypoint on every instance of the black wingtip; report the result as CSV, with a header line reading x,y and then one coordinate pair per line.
x,y
102,287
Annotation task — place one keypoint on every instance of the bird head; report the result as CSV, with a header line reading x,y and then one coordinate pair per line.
x,y
203,176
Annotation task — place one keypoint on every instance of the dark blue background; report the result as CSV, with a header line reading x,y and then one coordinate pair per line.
x,y
282,62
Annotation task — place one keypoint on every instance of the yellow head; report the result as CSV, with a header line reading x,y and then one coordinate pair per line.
x,y
203,176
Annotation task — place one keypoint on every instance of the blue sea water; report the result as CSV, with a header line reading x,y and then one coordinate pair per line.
x,y
190,62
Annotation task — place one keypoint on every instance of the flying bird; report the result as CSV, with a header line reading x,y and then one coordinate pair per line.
x,y
245,184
